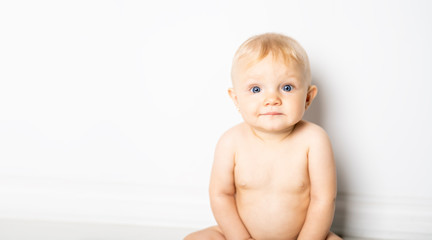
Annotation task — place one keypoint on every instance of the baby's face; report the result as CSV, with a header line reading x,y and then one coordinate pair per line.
x,y
271,96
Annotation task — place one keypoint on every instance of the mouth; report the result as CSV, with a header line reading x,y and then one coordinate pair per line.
x,y
272,113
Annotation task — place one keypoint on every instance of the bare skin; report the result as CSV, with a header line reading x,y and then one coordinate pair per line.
x,y
273,176
272,185
215,233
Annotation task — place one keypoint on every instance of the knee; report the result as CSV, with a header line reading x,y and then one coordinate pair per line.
x,y
191,236
332,236
211,233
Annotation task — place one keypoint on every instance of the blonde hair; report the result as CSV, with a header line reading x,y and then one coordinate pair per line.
x,y
280,46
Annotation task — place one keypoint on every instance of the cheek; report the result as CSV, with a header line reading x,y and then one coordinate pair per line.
x,y
297,104
250,109
248,103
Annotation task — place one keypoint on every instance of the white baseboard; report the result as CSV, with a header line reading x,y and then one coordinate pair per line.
x,y
383,217
49,198
54,198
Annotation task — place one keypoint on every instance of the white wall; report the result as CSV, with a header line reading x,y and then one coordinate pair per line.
x,y
110,110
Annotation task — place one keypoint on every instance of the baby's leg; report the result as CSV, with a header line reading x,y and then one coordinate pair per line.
x,y
332,236
211,233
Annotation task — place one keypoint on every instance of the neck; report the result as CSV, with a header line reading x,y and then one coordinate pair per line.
x,y
272,137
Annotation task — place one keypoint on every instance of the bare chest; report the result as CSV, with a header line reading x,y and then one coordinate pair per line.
x,y
273,169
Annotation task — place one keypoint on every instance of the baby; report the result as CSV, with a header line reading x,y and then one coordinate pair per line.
x,y
273,175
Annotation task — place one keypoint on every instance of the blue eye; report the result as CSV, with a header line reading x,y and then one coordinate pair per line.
x,y
287,88
255,89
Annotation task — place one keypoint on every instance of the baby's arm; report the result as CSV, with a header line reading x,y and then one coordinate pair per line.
x,y
322,173
222,191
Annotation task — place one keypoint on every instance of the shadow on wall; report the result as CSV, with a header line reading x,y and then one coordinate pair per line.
x,y
317,114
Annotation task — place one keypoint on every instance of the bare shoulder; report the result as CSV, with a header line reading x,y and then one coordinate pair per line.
x,y
232,135
312,133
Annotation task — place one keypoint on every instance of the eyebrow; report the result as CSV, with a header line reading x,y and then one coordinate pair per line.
x,y
250,79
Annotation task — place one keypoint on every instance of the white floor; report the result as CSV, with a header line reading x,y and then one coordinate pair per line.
x,y
54,230
45,230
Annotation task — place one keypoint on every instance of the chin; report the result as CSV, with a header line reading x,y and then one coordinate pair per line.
x,y
275,128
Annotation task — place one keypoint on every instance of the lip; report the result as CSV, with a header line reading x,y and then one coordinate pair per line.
x,y
272,113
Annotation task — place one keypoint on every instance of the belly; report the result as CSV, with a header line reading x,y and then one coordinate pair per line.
x,y
269,215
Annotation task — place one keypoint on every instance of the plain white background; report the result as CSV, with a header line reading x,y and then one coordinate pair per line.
x,y
110,110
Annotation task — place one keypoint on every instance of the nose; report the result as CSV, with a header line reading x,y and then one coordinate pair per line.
x,y
272,100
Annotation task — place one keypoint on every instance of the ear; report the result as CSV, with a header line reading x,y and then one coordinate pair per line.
x,y
233,96
311,94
